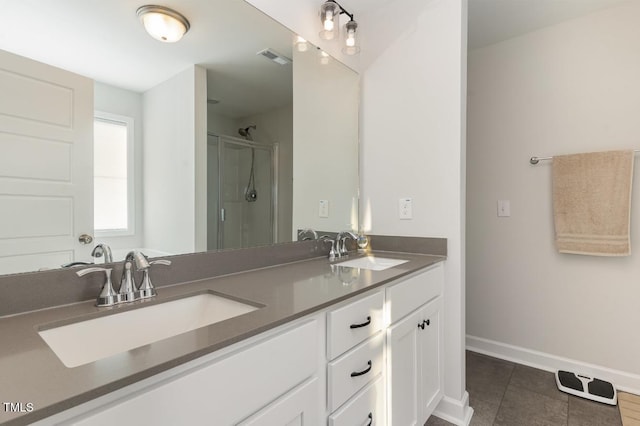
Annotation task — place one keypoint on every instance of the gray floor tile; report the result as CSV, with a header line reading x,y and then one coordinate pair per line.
x,y
521,407
484,412
539,381
487,378
589,413
437,421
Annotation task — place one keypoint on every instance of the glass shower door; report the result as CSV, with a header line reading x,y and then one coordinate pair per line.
x,y
247,193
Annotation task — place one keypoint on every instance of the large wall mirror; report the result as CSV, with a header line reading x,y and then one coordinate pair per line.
x,y
232,137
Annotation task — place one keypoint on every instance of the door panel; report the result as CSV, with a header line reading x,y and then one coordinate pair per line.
x,y
46,178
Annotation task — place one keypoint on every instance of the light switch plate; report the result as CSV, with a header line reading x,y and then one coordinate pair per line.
x,y
323,208
405,208
504,208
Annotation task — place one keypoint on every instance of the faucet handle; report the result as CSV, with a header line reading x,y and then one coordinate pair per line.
x,y
107,296
127,284
333,253
147,289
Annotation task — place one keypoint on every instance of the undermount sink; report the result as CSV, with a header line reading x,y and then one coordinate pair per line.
x,y
372,262
87,341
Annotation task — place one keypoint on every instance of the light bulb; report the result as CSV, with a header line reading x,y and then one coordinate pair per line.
x,y
328,21
350,42
351,38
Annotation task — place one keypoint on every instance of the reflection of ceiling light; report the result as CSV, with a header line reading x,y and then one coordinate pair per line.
x,y
324,57
301,44
162,23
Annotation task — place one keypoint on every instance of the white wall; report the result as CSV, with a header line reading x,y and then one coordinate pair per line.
x,y
119,101
220,125
175,163
325,122
412,133
570,88
413,145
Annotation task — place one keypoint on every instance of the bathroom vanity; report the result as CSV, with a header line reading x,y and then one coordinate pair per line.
x,y
320,343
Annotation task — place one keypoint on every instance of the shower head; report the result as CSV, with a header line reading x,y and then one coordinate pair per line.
x,y
246,132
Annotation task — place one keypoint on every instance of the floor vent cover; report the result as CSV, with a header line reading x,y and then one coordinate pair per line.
x,y
586,387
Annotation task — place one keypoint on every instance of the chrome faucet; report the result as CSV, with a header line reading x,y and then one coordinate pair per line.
x,y
128,290
102,250
303,234
341,242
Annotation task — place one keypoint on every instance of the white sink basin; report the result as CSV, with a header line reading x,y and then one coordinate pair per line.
x,y
373,263
87,341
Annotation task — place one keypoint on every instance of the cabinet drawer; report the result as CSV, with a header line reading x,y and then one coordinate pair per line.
x,y
408,295
353,370
365,408
351,324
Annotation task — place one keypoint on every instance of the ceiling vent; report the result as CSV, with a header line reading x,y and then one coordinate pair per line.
x,y
274,56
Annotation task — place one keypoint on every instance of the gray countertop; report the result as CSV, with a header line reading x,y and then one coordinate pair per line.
x,y
31,373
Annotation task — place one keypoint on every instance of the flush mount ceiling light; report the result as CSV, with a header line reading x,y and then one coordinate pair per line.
x,y
330,12
162,23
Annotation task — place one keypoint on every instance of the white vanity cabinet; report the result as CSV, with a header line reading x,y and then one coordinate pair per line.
x,y
374,359
355,350
415,348
297,408
270,381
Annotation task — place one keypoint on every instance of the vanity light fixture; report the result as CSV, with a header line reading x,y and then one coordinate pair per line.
x,y
330,17
162,23
351,45
330,12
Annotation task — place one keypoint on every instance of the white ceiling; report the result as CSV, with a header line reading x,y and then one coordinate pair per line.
x,y
492,21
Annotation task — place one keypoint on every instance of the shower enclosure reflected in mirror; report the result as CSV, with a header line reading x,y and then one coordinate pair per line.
x,y
242,192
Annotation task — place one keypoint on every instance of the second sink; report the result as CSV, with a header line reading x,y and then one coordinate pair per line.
x,y
87,341
372,262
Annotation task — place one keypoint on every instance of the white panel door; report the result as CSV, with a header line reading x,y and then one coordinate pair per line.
x,y
46,165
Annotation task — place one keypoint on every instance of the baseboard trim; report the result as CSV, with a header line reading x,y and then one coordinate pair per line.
x,y
622,380
455,411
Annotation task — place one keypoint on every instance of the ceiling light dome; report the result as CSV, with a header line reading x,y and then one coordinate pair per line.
x,y
162,23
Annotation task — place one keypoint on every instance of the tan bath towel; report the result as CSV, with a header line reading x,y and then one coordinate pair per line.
x,y
592,202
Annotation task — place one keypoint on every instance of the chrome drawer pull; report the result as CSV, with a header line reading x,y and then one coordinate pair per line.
x,y
365,371
364,324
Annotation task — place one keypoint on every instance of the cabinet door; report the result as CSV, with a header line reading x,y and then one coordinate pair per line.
x,y
296,408
225,390
430,350
403,370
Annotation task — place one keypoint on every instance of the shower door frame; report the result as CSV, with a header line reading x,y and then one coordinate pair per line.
x,y
274,184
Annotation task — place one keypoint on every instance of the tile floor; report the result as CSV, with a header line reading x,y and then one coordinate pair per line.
x,y
509,394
